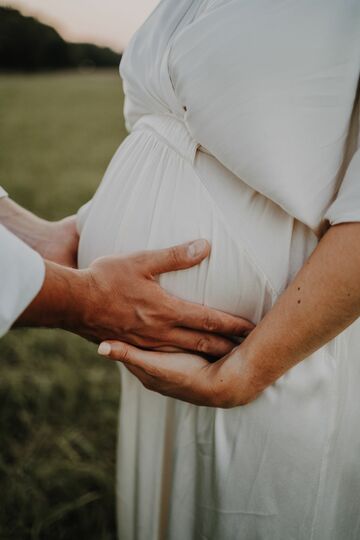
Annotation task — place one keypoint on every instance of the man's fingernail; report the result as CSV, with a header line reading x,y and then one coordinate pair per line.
x,y
197,248
104,349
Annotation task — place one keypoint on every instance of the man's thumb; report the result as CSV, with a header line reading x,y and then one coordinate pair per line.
x,y
178,257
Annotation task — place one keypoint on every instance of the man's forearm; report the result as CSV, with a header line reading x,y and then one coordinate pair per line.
x,y
323,300
60,302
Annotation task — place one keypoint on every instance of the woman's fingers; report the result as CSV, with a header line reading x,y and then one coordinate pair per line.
x,y
143,377
184,340
154,363
210,320
148,361
118,350
182,376
160,386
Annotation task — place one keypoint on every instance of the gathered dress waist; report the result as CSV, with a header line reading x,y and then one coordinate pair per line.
x,y
173,131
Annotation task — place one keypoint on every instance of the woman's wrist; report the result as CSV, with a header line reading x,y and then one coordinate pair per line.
x,y
31,229
55,241
321,301
235,380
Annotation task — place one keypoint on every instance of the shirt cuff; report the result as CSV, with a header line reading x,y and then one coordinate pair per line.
x,y
22,273
3,193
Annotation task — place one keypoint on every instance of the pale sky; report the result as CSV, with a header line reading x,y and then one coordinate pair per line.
x,y
104,22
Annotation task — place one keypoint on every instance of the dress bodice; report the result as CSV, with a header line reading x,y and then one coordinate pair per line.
x,y
266,86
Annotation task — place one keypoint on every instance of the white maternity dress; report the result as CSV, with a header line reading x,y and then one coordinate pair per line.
x,y
244,130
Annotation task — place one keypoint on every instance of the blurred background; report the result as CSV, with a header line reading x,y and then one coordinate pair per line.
x,y
61,120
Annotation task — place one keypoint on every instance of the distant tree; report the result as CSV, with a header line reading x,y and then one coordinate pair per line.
x,y
28,45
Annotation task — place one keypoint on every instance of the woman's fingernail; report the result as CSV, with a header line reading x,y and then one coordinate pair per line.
x,y
197,248
104,349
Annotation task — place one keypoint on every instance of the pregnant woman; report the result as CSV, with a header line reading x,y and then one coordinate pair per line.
x,y
244,131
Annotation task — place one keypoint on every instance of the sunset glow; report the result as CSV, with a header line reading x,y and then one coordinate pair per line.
x,y
104,22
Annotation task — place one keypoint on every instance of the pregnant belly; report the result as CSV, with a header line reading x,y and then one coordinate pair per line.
x,y
160,189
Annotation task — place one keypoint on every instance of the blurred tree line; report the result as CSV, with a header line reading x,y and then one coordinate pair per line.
x,y
28,45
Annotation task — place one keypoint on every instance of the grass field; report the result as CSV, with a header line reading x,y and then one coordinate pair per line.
x,y
58,400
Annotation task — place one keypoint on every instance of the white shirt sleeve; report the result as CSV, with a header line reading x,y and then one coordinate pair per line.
x,y
2,192
22,272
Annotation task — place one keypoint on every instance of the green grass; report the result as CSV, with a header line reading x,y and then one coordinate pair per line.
x,y
58,400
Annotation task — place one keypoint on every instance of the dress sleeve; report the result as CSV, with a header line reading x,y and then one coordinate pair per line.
x,y
346,206
22,273
271,106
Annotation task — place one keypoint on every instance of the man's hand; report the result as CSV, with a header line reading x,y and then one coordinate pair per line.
x,y
126,301
119,298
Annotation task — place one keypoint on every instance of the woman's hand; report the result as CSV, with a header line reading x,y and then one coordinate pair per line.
x,y
225,383
322,301
59,242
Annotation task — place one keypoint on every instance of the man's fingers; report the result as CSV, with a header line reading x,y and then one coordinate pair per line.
x,y
168,349
210,320
201,342
181,339
176,257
